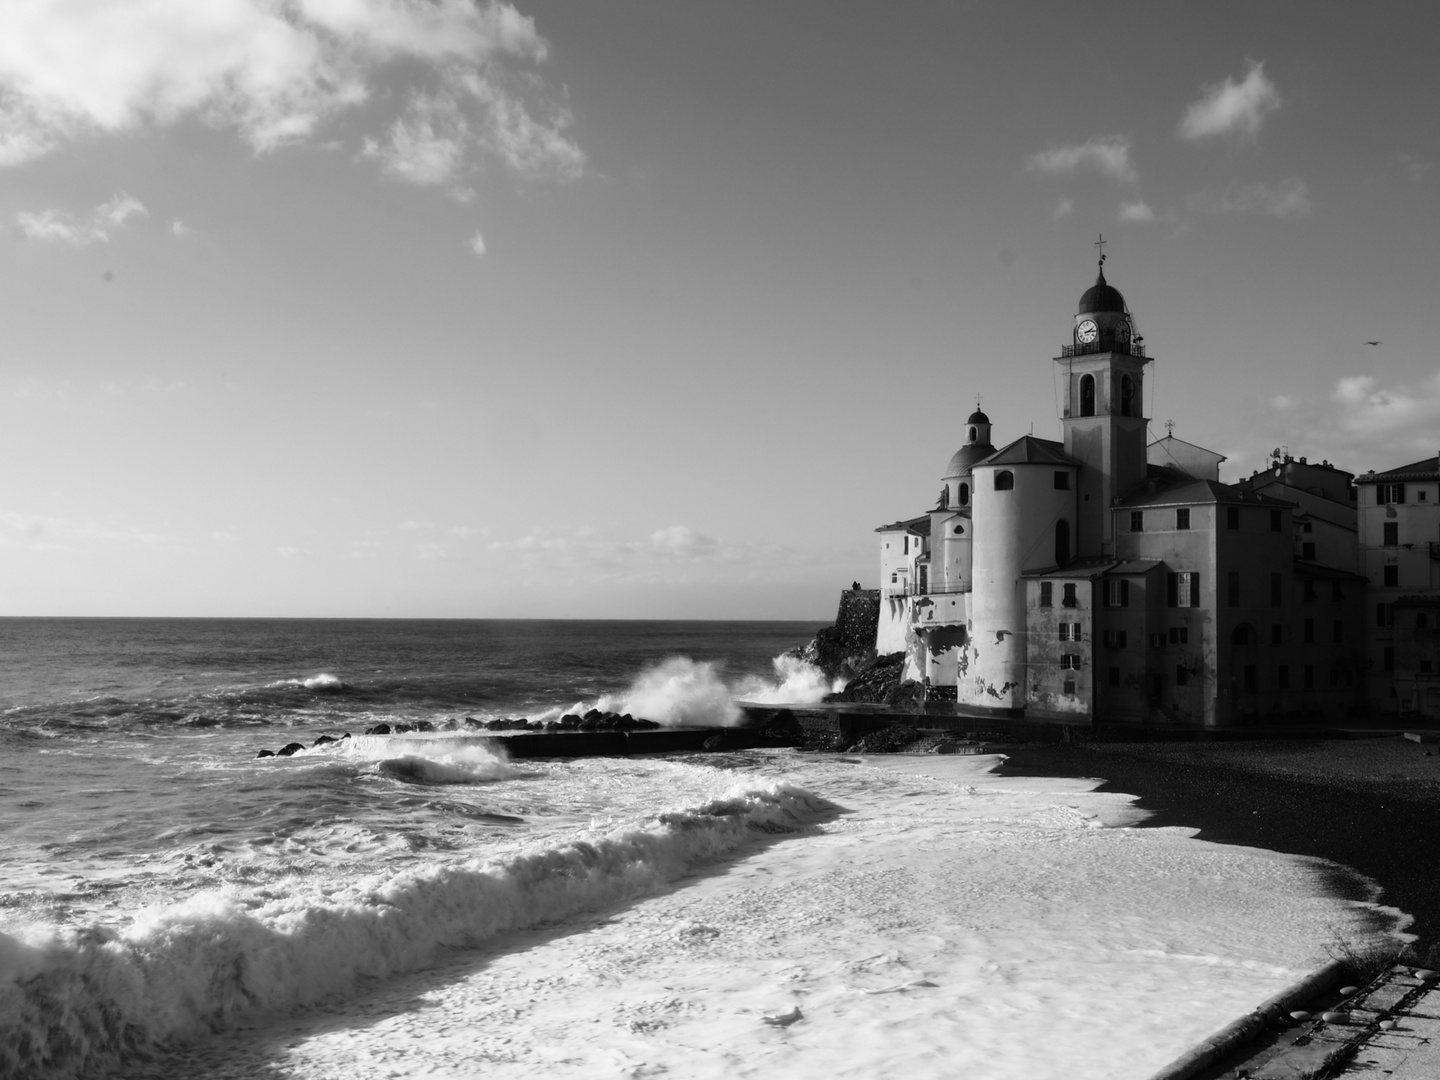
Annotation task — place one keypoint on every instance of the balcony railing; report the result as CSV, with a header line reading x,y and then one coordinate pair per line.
x,y
1132,349
913,589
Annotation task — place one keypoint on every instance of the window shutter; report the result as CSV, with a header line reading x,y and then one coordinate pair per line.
x,y
1124,592
1195,588
1173,590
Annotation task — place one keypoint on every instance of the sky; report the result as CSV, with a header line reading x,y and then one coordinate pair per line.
x,y
434,308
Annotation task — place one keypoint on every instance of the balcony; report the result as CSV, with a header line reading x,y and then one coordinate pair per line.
x,y
1131,349
912,589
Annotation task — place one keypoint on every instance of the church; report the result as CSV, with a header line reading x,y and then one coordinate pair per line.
x,y
1107,575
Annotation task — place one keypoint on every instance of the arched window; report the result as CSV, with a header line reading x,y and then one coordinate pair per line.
x,y
1062,542
1004,480
1127,396
964,494
1087,395
972,434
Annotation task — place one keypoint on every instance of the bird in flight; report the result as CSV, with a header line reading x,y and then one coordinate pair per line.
x,y
1372,343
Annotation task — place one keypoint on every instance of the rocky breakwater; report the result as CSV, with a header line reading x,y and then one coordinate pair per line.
x,y
846,651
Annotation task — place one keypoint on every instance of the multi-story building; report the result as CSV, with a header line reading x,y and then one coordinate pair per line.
x,y
1109,575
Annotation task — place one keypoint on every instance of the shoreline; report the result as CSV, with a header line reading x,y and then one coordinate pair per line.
x,y
1371,806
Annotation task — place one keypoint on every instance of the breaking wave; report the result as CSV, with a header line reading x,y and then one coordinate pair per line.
x,y
80,1000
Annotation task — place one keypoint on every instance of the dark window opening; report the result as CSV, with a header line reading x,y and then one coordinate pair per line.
x,y
1232,588
1070,599
972,434
1240,635
1127,396
1422,621
1249,676
1337,631
1044,594
1282,677
1182,518
1277,633
1307,552
1004,480
1275,521
1137,521
1276,591
1392,533
1062,540
1087,395
1232,517
1182,677
1308,676
1309,592
1389,658
1392,576
1114,676
1062,481
964,494
1308,632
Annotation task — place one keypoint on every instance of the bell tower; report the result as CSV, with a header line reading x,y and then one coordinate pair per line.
x,y
1104,370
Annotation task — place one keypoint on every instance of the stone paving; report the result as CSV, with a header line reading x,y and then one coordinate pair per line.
x,y
1389,1030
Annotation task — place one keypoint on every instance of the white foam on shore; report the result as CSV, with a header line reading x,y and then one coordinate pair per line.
x,y
954,923
74,1001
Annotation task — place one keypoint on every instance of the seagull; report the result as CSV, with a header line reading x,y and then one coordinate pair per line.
x,y
1372,343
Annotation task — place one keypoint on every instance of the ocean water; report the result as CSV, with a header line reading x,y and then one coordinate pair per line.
x,y
162,887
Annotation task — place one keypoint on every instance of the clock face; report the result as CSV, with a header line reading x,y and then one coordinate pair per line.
x,y
1086,332
1122,331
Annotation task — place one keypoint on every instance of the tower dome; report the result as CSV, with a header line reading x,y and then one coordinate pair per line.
x,y
1102,296
977,446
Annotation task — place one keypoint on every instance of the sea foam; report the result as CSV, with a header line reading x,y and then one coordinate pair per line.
x,y
74,1001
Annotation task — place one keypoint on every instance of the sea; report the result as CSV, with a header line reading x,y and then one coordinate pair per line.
x,y
164,888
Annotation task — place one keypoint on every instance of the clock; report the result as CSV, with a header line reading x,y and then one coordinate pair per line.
x,y
1122,331
1086,332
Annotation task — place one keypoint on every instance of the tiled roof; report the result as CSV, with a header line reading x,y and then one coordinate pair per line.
x,y
1185,490
1427,467
1028,450
920,526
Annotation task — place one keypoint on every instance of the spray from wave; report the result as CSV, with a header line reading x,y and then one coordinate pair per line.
x,y
680,691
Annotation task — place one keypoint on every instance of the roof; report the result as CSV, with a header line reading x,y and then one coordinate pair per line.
x,y
1102,296
1080,568
978,417
1425,468
920,526
1028,450
1135,566
1185,490
964,458
1325,573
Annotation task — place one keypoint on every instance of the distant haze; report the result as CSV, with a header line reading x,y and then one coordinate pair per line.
x,y
656,310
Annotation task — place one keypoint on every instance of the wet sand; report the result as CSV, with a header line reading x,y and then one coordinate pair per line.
x,y
1369,804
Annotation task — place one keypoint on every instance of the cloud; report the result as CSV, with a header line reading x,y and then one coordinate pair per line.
x,y
1105,154
477,244
683,542
93,228
289,552
1231,108
180,230
1136,211
1286,199
275,71
431,551
1415,169
1063,208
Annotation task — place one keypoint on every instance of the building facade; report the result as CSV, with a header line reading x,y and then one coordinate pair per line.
x,y
1108,575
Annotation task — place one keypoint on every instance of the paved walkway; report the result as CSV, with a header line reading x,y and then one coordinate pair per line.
x,y
1390,1030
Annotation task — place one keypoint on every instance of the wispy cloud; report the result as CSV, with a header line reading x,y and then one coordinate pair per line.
x,y
1232,108
1415,169
1286,199
1105,154
1063,208
276,72
1136,211
95,227
477,244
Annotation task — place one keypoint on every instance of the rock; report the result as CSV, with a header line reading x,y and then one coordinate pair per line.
x,y
593,714
886,741
1346,991
323,739
1332,1017
471,722
1300,1015
425,725
552,725
496,725
401,729
785,1019
266,753
378,729
589,723
570,721
874,680
289,749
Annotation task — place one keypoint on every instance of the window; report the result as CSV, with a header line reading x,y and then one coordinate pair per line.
x,y
1425,667
1249,676
1062,481
1004,480
1232,517
1069,631
1382,612
907,545
1277,634
1062,542
1420,496
1422,621
1182,518
1336,592
1070,661
1114,679
1389,493
1392,533
1275,521
1115,639
1157,640
1117,592
1240,635
1334,674
1308,591
1308,677
1307,552
894,578
1232,588
1045,594
1282,677
1389,658
1180,635
1182,677
964,494
1337,631
973,434
1087,395
1308,632
1185,589
1137,521
1069,600
1127,396
1307,527
1069,688
1276,591
1392,576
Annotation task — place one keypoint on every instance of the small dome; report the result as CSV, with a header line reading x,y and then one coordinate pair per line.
x,y
978,417
966,457
1101,297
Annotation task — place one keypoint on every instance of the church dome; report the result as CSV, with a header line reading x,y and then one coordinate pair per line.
x,y
966,457
978,417
1101,296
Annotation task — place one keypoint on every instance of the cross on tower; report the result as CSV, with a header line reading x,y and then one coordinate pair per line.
x,y
1101,245
1169,427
